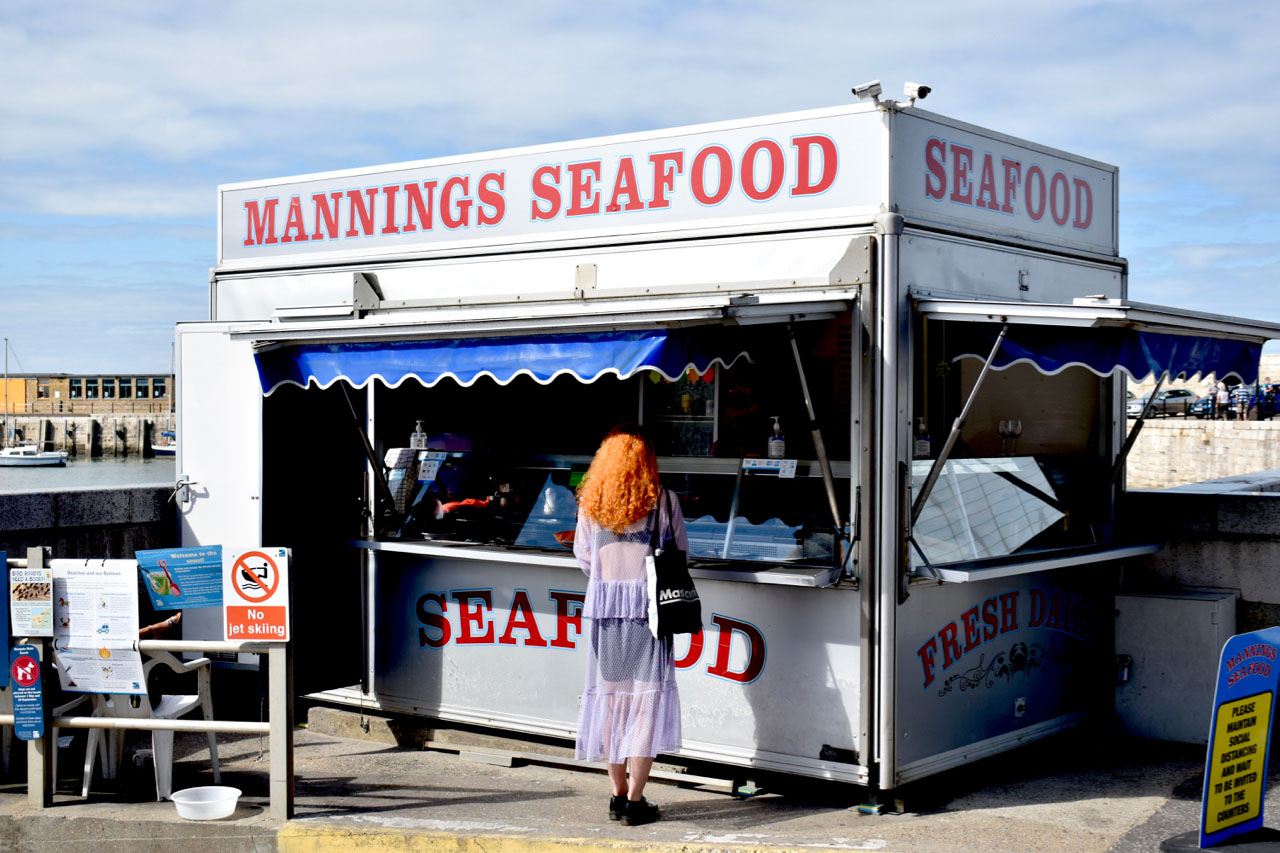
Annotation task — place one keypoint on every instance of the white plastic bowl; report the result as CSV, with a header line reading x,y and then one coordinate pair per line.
x,y
206,803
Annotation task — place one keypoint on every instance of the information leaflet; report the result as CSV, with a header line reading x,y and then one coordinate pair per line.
x,y
96,608
183,578
1239,736
31,602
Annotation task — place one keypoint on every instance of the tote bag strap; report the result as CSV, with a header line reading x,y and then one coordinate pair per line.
x,y
655,523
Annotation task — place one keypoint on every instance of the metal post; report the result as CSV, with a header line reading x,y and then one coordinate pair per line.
x,y
280,697
892,356
40,781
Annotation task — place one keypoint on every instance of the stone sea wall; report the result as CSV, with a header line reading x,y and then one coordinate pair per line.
x,y
1176,451
89,523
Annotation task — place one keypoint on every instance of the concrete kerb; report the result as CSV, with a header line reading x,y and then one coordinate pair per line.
x,y
1086,792
302,838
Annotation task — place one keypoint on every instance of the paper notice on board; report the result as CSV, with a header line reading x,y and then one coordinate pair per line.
x,y
96,616
31,602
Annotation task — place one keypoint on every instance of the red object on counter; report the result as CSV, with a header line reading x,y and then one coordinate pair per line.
x,y
452,505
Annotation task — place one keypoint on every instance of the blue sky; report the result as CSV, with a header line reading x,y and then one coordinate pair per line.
x,y
119,119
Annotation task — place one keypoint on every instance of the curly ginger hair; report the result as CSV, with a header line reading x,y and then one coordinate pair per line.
x,y
621,486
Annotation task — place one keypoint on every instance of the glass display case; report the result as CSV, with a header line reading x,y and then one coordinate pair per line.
x,y
503,460
732,511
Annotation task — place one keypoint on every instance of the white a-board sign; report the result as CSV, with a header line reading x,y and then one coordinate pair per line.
x,y
255,593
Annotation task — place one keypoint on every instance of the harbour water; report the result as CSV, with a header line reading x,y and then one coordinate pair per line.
x,y
82,472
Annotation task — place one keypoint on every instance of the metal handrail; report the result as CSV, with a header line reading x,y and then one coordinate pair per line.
x,y
278,727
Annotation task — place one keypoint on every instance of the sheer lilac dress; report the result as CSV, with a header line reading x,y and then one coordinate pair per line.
x,y
630,706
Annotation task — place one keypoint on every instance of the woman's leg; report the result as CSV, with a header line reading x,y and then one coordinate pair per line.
x,y
640,768
618,778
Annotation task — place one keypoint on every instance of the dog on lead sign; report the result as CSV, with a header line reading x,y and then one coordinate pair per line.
x,y
255,593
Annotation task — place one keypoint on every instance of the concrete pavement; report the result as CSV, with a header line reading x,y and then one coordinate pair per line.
x,y
1079,792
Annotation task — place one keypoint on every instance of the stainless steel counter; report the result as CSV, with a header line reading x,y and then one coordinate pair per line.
x,y
811,576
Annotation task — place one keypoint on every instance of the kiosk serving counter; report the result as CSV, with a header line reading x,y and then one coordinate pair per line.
x,y
407,368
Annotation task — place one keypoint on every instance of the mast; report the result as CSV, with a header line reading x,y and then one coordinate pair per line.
x,y
4,439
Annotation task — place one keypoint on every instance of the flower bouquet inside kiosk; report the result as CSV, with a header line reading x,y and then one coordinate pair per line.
x,y
876,350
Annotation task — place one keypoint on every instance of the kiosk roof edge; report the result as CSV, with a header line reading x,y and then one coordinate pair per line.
x,y
809,169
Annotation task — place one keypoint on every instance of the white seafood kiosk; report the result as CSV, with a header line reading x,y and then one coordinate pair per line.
x,y
935,314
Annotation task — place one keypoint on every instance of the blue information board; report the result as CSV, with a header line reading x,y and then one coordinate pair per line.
x,y
182,578
4,617
1235,773
28,703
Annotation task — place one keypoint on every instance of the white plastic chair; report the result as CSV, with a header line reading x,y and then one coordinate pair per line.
x,y
168,708
63,711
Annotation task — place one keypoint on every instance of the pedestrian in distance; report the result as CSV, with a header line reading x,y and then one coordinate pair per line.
x,y
1213,402
1224,401
630,709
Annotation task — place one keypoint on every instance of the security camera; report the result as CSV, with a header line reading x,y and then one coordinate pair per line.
x,y
916,90
868,90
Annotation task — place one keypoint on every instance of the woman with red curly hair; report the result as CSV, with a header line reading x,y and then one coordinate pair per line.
x,y
630,709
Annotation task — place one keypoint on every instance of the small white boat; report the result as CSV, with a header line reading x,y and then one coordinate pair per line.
x,y
24,455
167,445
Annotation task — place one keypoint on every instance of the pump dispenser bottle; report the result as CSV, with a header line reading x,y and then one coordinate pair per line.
x,y
777,441
418,439
921,445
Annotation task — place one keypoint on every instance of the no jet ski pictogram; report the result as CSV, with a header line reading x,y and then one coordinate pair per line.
x,y
255,577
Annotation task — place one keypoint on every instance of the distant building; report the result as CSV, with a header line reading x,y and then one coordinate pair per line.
x,y
79,393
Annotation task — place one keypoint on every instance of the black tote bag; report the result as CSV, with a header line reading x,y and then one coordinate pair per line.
x,y
674,607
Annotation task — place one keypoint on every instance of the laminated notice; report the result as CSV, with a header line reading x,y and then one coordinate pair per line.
x,y
96,610
31,602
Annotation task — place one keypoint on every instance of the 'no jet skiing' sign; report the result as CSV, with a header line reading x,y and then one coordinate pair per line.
x,y
1239,736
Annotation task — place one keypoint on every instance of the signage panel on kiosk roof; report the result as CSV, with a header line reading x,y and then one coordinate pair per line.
x,y
798,170
255,593
804,169
950,173
1236,763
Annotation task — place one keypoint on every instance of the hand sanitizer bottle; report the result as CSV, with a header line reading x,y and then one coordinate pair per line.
x,y
922,446
418,440
777,442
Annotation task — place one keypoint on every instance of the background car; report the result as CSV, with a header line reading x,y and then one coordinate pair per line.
x,y
1170,401
1202,407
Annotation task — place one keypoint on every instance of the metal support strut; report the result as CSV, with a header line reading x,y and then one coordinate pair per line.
x,y
936,469
384,489
819,448
1132,437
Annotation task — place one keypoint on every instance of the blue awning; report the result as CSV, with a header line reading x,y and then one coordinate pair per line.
x,y
1109,350
585,356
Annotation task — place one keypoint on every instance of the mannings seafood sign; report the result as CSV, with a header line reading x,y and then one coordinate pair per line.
x,y
800,170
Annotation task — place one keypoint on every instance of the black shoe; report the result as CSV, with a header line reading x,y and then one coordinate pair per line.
x,y
639,812
617,807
